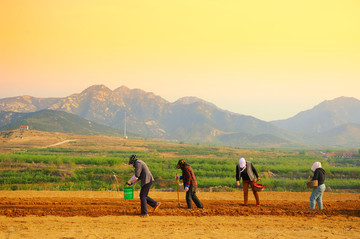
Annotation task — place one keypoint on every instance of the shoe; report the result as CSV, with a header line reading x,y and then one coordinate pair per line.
x,y
157,206
258,205
144,215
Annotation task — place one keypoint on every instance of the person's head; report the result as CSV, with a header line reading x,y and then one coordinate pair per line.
x,y
315,166
181,164
242,163
132,159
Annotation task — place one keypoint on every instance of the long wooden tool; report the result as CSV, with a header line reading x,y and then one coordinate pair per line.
x,y
116,182
177,188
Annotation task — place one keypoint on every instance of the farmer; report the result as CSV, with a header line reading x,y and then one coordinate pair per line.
x,y
317,193
247,172
143,174
190,184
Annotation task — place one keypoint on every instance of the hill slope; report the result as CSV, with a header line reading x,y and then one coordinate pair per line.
x,y
323,117
344,135
59,121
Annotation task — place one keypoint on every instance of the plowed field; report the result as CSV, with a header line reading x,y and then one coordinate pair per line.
x,y
27,213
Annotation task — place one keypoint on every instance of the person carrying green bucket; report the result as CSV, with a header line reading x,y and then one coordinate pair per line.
x,y
143,174
128,193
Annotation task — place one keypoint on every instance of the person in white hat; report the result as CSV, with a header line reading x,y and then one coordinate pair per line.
x,y
317,193
249,175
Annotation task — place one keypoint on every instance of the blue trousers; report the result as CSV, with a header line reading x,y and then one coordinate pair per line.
x,y
316,195
145,199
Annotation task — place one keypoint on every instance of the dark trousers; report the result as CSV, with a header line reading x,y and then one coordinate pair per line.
x,y
145,199
191,196
246,184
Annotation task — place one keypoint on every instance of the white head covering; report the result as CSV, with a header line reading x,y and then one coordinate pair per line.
x,y
315,166
242,164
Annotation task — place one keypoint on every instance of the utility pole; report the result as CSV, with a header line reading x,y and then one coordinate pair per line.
x,y
125,136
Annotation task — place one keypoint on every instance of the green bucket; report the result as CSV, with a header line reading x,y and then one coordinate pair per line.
x,y
128,193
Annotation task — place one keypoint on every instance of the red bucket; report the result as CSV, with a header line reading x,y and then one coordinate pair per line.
x,y
259,187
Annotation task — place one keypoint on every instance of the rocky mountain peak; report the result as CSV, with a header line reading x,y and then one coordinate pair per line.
x,y
339,102
126,92
188,100
122,90
191,100
97,88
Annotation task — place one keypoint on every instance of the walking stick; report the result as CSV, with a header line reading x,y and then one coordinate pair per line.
x,y
177,188
116,182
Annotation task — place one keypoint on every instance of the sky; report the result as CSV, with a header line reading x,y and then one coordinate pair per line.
x,y
268,59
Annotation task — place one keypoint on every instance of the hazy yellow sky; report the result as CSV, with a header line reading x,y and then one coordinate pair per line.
x,y
268,59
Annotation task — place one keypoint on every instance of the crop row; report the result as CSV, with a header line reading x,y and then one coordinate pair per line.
x,y
67,169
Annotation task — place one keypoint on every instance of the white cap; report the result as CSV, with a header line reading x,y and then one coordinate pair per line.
x,y
242,163
315,166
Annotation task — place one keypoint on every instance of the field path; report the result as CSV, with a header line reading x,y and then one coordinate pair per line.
x,y
59,143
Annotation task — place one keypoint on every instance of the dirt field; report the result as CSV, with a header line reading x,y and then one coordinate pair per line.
x,y
45,214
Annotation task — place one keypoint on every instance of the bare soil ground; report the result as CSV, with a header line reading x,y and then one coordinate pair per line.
x,y
50,214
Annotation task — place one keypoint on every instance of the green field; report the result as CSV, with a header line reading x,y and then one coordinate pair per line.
x,y
214,167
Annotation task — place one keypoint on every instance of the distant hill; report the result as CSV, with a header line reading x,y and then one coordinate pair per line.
x,y
344,135
59,121
248,140
323,117
189,119
8,117
26,103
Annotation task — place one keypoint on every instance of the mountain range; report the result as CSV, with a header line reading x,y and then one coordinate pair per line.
x,y
190,119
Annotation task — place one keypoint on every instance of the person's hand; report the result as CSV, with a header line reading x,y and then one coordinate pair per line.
x,y
177,177
258,179
128,183
186,189
238,183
